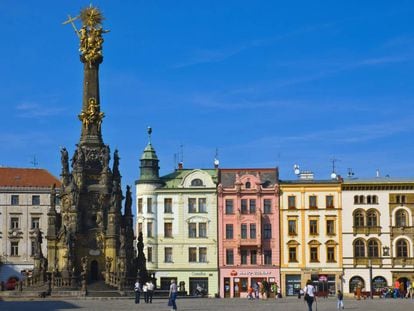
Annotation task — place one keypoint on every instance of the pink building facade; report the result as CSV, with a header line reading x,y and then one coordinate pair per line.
x,y
248,229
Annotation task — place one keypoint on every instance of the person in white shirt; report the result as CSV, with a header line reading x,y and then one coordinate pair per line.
x,y
309,292
150,288
137,289
173,295
145,291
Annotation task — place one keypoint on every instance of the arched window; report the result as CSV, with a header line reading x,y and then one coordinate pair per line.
x,y
379,282
401,218
373,248
196,182
359,218
372,218
374,199
402,248
369,199
356,199
248,185
355,282
361,199
359,248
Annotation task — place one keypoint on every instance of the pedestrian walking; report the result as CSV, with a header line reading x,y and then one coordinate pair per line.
x,y
309,291
340,304
145,291
256,290
172,295
150,289
137,290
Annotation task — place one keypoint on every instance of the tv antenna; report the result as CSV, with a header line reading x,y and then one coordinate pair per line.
x,y
333,174
34,161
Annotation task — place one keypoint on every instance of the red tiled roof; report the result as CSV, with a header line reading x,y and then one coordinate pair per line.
x,y
26,177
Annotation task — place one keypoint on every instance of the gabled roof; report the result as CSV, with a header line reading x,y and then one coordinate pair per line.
x,y
27,177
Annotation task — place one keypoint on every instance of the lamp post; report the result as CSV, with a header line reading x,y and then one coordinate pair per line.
x,y
370,278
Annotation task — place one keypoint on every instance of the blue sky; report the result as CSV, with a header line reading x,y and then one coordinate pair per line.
x,y
268,83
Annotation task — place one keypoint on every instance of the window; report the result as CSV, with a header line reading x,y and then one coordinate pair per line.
x,y
330,201
267,206
140,206
32,248
374,199
372,218
192,205
253,257
252,206
202,230
167,205
202,254
330,227
243,257
244,206
149,229
331,253
401,218
252,231
229,257
229,206
14,248
14,222
313,226
361,199
35,222
359,219
229,231
359,248
196,182
291,201
356,199
35,199
192,230
267,257
248,185
313,201
292,227
243,231
168,254
192,254
14,200
314,254
149,205
292,254
267,231
139,227
400,199
373,248
402,248
369,201
149,254
202,205
168,230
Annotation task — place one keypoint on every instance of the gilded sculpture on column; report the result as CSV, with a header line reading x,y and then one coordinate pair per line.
x,y
92,115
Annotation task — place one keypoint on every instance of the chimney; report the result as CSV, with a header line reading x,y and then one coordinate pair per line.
x,y
180,165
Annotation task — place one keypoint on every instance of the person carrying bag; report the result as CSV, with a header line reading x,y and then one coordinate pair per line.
x,y
309,292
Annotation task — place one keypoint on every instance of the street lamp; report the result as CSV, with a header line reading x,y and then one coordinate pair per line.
x,y
370,277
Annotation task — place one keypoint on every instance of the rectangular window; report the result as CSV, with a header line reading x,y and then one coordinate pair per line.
x,y
252,206
192,205
192,254
253,257
168,254
314,254
267,206
192,230
243,231
313,201
267,231
292,254
202,205
330,201
244,206
313,227
229,257
252,231
139,227
140,206
14,223
149,229
168,230
167,205
32,248
229,206
291,201
229,231
35,199
35,222
202,254
14,200
149,254
330,227
202,230
149,205
331,254
292,227
14,248
243,257
267,257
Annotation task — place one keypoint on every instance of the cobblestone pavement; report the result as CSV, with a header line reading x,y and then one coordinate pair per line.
x,y
289,304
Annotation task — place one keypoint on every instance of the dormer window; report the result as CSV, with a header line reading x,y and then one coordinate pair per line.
x,y
197,182
248,185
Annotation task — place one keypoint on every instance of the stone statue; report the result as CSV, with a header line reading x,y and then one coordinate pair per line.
x,y
128,198
69,238
53,197
38,243
64,160
106,157
108,264
115,168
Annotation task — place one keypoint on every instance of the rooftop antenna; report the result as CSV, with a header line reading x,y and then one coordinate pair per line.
x,y
149,131
216,160
182,153
350,172
34,161
175,161
333,174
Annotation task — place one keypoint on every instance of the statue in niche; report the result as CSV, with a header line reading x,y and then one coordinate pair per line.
x,y
128,198
65,160
106,157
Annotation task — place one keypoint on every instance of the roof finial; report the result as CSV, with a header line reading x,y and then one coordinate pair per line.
x,y
149,131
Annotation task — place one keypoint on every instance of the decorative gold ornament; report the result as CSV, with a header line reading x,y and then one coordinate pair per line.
x,y
92,115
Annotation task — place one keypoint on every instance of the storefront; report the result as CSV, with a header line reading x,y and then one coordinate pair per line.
x,y
235,282
325,284
293,284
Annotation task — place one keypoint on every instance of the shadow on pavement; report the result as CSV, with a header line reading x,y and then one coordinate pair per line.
x,y
36,305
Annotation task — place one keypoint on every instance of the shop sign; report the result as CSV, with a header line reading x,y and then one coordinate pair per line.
x,y
254,273
233,273
323,278
198,273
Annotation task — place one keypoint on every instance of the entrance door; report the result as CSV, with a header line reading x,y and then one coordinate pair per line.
x,y
226,287
94,270
236,287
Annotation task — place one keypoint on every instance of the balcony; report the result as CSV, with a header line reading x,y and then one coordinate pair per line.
x,y
364,261
250,242
367,230
403,261
402,230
